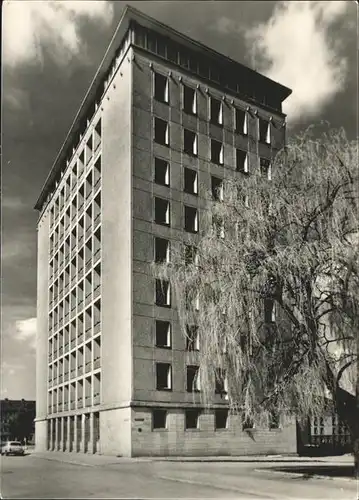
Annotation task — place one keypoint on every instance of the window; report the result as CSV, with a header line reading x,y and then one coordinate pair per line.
x,y
163,293
151,42
161,88
163,377
162,211
189,100
159,419
189,142
221,419
190,219
216,152
241,121
263,130
172,53
161,46
192,339
192,418
140,37
161,132
184,58
242,161
247,423
193,384
190,181
265,168
216,108
217,188
221,381
163,333
269,311
274,420
190,255
162,172
162,250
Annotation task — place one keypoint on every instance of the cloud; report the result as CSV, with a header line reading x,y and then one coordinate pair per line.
x,y
17,99
26,331
294,48
11,368
31,27
12,203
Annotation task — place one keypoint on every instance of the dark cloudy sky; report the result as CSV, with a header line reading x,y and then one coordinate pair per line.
x,y
51,51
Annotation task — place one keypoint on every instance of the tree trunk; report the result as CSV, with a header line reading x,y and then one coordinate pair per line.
x,y
347,407
356,438
356,456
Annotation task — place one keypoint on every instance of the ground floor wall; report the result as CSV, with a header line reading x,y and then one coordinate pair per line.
x,y
206,440
130,432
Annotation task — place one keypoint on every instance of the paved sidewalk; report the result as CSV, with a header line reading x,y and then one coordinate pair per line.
x,y
84,459
93,460
341,459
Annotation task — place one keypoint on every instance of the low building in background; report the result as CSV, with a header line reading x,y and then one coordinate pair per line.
x,y
17,420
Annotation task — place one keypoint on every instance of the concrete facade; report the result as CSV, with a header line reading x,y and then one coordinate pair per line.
x,y
97,354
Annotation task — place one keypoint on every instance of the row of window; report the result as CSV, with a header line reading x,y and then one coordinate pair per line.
x,y
193,383
190,176
77,306
60,345
221,419
89,153
163,299
83,253
218,70
88,220
190,145
82,393
215,108
71,308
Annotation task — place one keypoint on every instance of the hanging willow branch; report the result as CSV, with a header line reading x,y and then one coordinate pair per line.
x,y
279,244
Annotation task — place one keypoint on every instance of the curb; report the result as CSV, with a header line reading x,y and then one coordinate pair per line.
x,y
54,459
98,463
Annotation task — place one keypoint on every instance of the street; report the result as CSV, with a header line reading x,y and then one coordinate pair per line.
x,y
47,476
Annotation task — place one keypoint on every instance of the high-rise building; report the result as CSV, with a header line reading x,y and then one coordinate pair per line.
x,y
164,120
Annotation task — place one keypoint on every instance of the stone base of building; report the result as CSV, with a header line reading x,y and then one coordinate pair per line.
x,y
129,432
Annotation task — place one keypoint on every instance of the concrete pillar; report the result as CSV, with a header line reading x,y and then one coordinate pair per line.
x,y
68,443
75,434
61,437
53,435
92,444
56,434
51,442
82,449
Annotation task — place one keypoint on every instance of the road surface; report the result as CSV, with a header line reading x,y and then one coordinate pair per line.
x,y
34,476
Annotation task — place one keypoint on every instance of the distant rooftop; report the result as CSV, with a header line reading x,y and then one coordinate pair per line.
x,y
132,16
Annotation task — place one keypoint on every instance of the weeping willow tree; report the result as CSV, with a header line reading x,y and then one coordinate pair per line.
x,y
272,284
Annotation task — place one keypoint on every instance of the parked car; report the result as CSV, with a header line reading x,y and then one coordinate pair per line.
x,y
12,448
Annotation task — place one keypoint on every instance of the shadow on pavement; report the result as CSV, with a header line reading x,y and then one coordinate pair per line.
x,y
321,470
238,460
